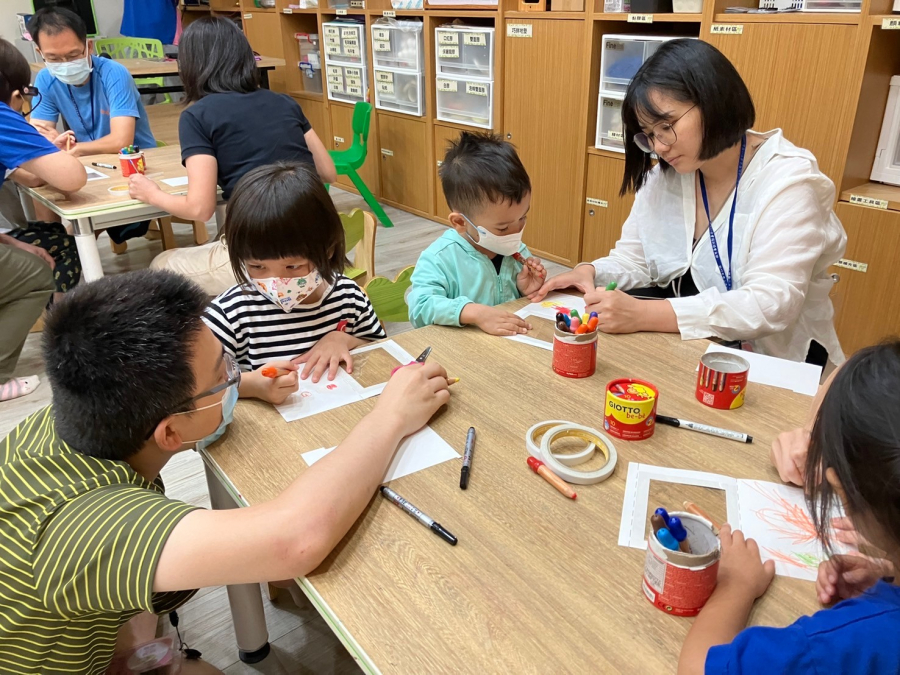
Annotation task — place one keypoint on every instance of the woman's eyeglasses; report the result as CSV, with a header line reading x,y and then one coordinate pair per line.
x,y
664,132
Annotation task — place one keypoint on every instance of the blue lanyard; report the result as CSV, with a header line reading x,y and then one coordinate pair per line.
x,y
88,130
712,235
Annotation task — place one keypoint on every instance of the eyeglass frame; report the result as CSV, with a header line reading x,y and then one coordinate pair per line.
x,y
652,135
233,380
85,54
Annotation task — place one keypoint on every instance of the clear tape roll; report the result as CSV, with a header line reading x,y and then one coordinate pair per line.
x,y
555,429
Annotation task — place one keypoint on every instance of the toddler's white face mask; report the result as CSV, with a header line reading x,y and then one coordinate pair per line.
x,y
505,245
289,292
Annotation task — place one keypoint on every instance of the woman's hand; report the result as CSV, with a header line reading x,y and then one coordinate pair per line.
x,y
327,354
582,278
531,277
412,395
142,188
617,312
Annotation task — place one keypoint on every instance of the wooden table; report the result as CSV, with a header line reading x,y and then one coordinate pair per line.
x,y
94,208
537,583
147,68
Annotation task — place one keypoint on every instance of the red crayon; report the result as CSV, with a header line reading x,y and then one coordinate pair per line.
x,y
273,371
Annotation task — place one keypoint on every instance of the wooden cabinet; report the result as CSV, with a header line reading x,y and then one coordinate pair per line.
x,y
801,80
342,137
318,117
867,304
443,136
404,164
543,105
263,31
604,210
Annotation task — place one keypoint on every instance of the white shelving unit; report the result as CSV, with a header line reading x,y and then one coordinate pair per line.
x,y
398,56
464,67
345,60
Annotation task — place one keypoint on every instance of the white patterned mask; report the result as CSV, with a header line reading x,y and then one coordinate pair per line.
x,y
288,292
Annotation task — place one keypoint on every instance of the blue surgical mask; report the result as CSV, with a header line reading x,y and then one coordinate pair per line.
x,y
71,72
229,400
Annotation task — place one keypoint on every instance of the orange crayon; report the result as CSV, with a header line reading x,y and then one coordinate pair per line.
x,y
538,467
272,372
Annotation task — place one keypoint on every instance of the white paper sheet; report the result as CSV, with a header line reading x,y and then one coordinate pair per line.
x,y
311,399
175,182
93,174
420,451
802,378
547,309
774,515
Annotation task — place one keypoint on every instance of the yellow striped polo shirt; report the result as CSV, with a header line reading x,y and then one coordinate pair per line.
x,y
80,538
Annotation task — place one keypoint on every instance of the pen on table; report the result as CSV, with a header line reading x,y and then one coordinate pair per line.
x,y
538,467
437,528
467,459
611,286
691,507
104,166
705,429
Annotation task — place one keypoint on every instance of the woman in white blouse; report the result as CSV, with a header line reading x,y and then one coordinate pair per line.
x,y
732,232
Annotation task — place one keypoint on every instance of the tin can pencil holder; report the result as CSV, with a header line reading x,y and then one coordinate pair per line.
x,y
722,380
132,163
680,583
574,355
630,409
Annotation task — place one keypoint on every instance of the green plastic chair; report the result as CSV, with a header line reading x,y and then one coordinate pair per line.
x,y
346,162
135,48
359,235
388,297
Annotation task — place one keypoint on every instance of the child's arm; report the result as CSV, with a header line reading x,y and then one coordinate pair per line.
x,y
742,579
430,298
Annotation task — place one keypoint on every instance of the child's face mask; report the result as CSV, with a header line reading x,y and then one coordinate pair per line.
x,y
288,292
502,245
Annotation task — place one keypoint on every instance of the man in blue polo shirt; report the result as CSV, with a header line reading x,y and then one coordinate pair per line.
x,y
96,97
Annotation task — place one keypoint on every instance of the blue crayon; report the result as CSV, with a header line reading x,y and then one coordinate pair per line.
x,y
666,539
677,528
663,514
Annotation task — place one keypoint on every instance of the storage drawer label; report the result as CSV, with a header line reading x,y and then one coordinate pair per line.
x,y
869,201
446,85
335,70
350,50
891,23
476,39
341,12
335,88
448,52
333,40
333,49
610,103
384,76
852,265
348,33
353,82
288,10
726,29
350,42
353,72
381,46
615,135
385,87
358,4
602,203
389,13
448,38
381,34
354,91
614,46
520,30
387,153
338,139
476,89
332,30
336,79
248,16
640,18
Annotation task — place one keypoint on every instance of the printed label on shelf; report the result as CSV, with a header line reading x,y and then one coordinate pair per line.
x,y
353,72
387,153
602,203
333,49
336,88
726,29
333,40
358,4
350,42
341,12
349,33
332,31
354,91
615,135
385,87
520,30
335,70
445,38
890,23
336,79
288,10
869,201
640,18
338,139
446,85
475,39
852,265
248,16
448,52
389,13
614,46
350,51
476,89
384,76
381,46
382,34
609,103
353,82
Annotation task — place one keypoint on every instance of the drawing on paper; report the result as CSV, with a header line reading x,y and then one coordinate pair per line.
x,y
542,317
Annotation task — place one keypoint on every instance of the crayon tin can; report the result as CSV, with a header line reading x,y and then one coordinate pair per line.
x,y
630,412
132,163
680,583
574,355
722,380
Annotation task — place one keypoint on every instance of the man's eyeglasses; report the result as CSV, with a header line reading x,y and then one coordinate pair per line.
x,y
664,132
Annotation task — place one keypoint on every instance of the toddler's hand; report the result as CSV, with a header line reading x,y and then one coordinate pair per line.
x,y
327,355
846,576
741,570
496,321
531,277
272,389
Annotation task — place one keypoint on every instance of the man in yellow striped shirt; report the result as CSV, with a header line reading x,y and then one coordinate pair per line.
x,y
87,537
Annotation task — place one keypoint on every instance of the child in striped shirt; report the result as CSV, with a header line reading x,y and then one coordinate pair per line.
x,y
292,307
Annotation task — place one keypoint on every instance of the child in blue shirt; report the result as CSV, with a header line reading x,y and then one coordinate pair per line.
x,y
854,457
478,262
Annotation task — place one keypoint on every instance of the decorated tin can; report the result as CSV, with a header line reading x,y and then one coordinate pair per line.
x,y
630,412
722,380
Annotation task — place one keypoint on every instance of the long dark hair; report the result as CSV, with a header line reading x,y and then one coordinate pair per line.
x,y
283,210
214,57
857,434
15,73
690,71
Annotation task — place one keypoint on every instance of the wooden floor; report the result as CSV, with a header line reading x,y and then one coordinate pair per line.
x,y
301,640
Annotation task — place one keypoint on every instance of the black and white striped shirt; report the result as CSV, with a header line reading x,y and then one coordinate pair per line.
x,y
256,331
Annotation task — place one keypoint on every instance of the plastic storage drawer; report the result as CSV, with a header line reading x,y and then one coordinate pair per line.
x,y
398,44
464,51
345,83
621,58
345,42
610,132
399,91
468,102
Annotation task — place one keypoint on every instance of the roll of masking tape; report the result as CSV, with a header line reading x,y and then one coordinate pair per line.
x,y
533,441
551,431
